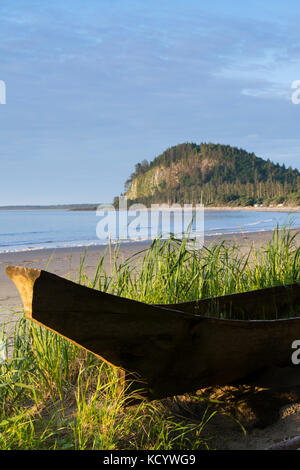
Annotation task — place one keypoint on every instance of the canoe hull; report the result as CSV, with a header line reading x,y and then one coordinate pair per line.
x,y
165,351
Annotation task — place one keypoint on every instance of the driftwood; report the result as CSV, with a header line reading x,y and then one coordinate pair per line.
x,y
170,349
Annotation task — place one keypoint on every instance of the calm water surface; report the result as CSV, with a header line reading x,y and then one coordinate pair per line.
x,y
34,229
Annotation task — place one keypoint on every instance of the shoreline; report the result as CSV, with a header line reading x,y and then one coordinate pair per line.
x,y
65,261
92,242
287,209
178,207
254,209
167,207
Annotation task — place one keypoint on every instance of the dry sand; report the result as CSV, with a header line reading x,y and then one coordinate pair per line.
x,y
257,414
268,407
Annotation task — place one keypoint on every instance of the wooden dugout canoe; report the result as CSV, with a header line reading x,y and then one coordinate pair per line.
x,y
167,349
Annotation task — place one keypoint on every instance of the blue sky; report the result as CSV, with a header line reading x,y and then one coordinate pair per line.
x,y
95,86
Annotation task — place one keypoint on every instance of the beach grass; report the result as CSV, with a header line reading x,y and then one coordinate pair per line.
x,y
54,395
171,271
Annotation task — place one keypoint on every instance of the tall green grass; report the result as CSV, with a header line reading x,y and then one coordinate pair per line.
x,y
54,395
170,272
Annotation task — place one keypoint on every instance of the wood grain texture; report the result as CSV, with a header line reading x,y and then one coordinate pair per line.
x,y
166,349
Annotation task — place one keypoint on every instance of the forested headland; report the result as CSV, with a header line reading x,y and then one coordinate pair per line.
x,y
217,175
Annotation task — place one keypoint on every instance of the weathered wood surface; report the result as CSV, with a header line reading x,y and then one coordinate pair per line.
x,y
171,350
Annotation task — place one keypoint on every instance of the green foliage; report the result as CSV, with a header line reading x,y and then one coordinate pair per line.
x,y
162,185
185,180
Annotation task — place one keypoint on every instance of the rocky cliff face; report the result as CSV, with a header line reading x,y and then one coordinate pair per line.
x,y
161,177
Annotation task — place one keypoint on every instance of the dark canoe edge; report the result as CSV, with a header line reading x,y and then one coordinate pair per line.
x,y
268,303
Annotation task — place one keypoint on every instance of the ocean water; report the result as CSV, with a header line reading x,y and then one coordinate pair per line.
x,y
35,229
